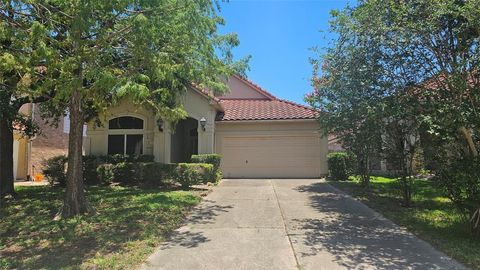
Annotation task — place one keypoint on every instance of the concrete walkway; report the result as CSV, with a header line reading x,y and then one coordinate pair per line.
x,y
291,224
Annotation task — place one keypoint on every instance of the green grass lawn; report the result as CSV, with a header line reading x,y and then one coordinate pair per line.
x,y
433,217
129,224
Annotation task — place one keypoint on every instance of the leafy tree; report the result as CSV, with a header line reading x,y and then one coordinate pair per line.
x,y
150,51
349,92
433,45
21,75
428,60
401,141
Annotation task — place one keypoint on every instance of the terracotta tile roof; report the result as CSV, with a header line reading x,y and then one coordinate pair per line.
x,y
258,109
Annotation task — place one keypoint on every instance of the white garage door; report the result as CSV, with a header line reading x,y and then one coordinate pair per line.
x,y
271,156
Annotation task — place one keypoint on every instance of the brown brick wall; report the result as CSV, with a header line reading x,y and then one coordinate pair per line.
x,y
51,141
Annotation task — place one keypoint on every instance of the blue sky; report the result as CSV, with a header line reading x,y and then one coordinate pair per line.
x,y
279,35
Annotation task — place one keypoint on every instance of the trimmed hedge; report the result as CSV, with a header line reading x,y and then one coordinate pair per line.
x,y
154,174
150,174
118,158
341,165
189,174
213,159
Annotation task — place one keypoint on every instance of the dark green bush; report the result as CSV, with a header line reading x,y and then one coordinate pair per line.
x,y
118,158
55,170
149,174
213,159
126,173
105,173
143,158
189,174
154,174
460,180
340,165
90,165
122,172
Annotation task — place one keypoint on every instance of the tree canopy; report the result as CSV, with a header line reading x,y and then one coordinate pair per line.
x,y
404,68
96,52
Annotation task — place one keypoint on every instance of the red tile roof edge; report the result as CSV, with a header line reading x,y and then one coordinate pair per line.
x,y
299,105
205,92
313,114
267,119
278,99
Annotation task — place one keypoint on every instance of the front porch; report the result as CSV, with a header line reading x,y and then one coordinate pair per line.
x,y
135,130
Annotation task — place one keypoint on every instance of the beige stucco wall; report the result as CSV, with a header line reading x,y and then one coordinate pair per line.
x,y
22,156
198,106
22,145
281,149
156,142
241,90
96,142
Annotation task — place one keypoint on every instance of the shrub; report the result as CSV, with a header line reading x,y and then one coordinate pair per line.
x,y
122,172
90,165
213,159
189,174
105,173
119,158
54,170
125,172
149,174
143,158
340,165
460,180
154,174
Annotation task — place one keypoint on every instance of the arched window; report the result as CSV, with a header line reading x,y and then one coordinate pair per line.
x,y
125,136
125,122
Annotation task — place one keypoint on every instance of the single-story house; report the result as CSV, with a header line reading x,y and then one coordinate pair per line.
x,y
257,134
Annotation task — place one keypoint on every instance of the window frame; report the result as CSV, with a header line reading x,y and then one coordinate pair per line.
x,y
126,132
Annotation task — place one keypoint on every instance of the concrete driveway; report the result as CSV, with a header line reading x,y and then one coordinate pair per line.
x,y
291,224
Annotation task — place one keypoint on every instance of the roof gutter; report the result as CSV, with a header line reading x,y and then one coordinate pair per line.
x,y
266,121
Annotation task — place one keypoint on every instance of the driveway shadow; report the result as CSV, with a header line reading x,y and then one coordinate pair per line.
x,y
205,213
358,238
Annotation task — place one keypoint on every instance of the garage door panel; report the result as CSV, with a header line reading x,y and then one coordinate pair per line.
x,y
271,156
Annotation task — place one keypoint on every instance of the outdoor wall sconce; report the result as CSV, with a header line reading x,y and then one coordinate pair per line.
x,y
203,123
160,124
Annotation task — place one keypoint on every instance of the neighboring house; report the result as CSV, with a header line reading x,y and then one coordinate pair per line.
x,y
257,134
29,153
50,142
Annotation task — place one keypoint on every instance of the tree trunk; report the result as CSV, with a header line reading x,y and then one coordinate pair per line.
x,y
407,192
467,135
406,184
75,202
6,158
364,170
475,221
